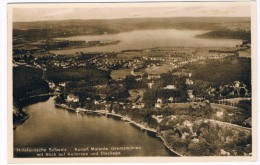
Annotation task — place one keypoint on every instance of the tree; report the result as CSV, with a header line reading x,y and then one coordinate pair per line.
x,y
183,96
116,93
131,83
242,92
246,105
27,81
199,88
150,97
198,149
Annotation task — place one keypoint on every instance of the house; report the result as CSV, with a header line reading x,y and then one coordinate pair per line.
x,y
150,84
138,78
173,117
190,94
133,72
219,113
63,84
72,98
159,100
184,135
187,123
188,82
138,105
158,105
236,84
195,140
96,102
108,107
211,91
170,87
171,99
223,152
57,89
51,85
158,118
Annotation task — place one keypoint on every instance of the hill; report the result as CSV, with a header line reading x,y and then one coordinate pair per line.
x,y
63,28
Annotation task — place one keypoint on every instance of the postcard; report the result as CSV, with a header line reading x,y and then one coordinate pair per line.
x,y
135,82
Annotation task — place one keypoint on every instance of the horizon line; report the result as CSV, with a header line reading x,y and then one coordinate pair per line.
x,y
132,18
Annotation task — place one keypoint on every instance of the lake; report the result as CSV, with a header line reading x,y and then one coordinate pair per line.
x,y
143,39
49,126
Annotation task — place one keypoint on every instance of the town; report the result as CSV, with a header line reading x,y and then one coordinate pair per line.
x,y
171,91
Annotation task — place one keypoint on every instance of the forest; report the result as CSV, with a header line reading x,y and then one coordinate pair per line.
x,y
27,81
89,75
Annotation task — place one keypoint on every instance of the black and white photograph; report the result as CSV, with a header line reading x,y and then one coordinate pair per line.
x,y
166,80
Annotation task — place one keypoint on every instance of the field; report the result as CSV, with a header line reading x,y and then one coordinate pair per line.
x,y
245,53
120,74
236,100
163,68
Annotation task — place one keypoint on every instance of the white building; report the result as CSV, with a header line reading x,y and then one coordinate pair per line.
x,y
170,87
63,84
190,94
189,82
72,98
51,85
150,84
171,99
159,100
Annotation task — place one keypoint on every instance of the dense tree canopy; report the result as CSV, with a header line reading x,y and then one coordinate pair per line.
x,y
27,81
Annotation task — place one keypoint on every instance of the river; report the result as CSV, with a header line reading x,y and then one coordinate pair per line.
x,y
49,126
143,39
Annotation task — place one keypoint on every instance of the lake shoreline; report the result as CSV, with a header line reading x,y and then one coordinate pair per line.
x,y
20,121
23,102
126,119
189,37
150,131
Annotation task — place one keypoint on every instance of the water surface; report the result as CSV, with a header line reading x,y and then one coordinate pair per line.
x,y
49,126
142,39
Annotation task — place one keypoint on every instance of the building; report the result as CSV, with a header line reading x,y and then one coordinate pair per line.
x,y
188,82
211,91
96,102
72,98
190,74
150,84
236,84
171,99
57,89
190,94
138,105
51,85
158,118
170,87
159,100
63,84
158,104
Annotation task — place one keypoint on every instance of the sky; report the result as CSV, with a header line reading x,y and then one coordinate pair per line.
x,y
134,10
